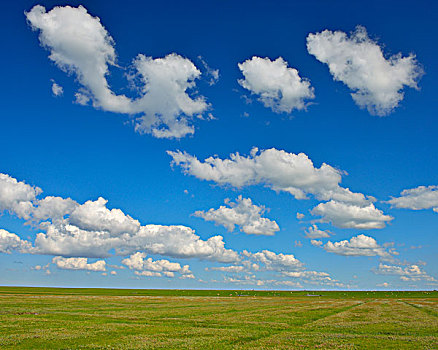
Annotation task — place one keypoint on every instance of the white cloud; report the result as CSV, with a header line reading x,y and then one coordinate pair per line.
x,y
316,242
421,197
95,216
149,267
57,90
276,169
78,264
17,196
300,216
79,44
65,239
147,273
82,98
359,62
10,242
242,213
232,268
279,87
408,273
360,245
113,273
314,232
93,230
345,215
273,261
384,284
166,105
299,274
53,208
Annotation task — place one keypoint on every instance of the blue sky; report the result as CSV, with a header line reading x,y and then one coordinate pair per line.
x,y
329,106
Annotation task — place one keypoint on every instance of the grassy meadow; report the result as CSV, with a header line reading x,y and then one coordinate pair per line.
x,y
81,318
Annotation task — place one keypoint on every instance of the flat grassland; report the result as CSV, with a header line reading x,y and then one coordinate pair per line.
x,y
67,318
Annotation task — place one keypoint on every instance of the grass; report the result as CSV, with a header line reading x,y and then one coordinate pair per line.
x,y
62,318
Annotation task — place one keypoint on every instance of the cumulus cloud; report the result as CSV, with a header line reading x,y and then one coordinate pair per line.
x,y
360,245
53,208
422,197
149,267
358,61
80,44
57,90
314,232
276,169
78,264
273,261
242,213
316,242
175,241
17,196
292,173
278,87
95,216
92,230
409,273
166,105
346,215
10,242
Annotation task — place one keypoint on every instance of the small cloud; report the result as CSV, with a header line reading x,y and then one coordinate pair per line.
x,y
300,216
316,242
384,284
212,74
298,244
57,90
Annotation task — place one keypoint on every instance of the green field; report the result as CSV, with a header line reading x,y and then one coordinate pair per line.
x,y
58,318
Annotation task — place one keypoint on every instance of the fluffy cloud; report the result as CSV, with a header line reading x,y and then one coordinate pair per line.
x,y
292,173
53,208
165,103
314,232
346,215
149,267
312,277
95,216
277,169
10,242
316,242
92,230
63,238
273,261
408,273
17,196
359,62
242,213
78,264
279,87
360,245
418,198
79,44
